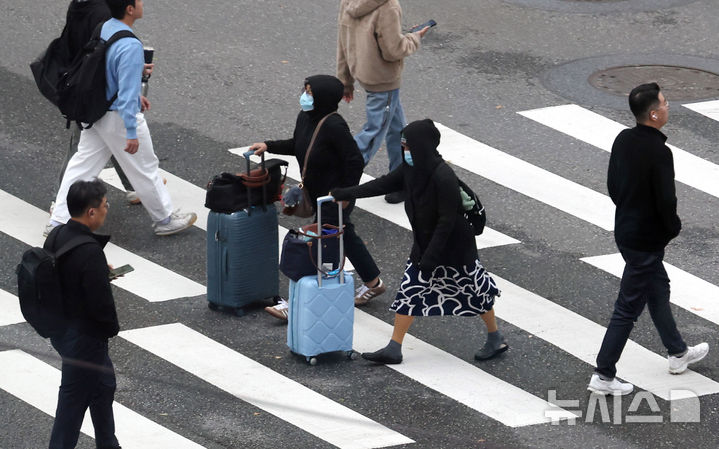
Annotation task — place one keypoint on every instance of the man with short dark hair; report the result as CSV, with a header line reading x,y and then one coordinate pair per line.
x,y
641,184
122,131
88,377
82,17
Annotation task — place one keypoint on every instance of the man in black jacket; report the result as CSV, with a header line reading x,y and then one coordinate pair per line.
x,y
88,377
641,184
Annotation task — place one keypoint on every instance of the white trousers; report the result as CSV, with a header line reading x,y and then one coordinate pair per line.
x,y
108,137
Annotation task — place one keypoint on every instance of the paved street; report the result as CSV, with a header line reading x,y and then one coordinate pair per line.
x,y
508,84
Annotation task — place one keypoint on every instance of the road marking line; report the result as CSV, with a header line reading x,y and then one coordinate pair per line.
x,y
456,378
35,382
390,212
582,338
527,179
150,281
9,309
267,389
707,108
600,131
183,193
688,291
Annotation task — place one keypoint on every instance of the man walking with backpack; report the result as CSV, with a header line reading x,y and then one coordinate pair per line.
x,y
88,377
122,131
83,16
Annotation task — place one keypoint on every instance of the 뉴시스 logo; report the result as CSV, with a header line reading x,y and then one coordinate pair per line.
x,y
683,407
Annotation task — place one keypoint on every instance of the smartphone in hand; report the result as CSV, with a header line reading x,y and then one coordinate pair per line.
x,y
119,271
429,23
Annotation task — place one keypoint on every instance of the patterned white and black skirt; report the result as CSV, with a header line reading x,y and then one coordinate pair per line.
x,y
447,291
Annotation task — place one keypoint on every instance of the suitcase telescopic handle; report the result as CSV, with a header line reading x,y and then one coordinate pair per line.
x,y
320,201
247,155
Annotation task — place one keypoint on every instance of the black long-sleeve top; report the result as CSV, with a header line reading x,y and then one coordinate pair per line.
x,y
335,159
84,276
640,180
441,234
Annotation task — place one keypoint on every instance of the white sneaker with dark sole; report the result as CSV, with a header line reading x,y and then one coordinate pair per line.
x,y
605,387
178,223
678,365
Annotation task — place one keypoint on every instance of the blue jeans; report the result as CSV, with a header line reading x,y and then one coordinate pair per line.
x,y
644,281
385,121
88,380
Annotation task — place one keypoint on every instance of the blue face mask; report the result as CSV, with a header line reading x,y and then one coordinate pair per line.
x,y
307,102
408,158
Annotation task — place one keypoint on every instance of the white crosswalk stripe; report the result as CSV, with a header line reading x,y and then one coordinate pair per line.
x,y
600,131
707,108
36,383
25,222
262,387
9,309
688,291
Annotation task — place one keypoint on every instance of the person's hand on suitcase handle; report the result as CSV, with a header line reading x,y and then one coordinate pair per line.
x,y
343,203
258,148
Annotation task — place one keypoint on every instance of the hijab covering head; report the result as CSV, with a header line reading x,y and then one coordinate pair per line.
x,y
327,92
422,139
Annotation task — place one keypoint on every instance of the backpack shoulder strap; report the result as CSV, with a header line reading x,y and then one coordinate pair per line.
x,y
73,243
119,35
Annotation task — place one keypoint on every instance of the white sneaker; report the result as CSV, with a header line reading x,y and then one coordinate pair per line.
x,y
279,310
678,365
178,223
132,197
605,387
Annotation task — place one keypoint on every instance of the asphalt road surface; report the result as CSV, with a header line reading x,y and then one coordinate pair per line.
x,y
508,82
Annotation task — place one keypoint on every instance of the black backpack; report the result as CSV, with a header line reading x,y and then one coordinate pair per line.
x,y
78,90
476,215
81,90
39,288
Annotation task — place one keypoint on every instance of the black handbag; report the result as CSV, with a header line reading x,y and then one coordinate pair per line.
x,y
299,251
230,193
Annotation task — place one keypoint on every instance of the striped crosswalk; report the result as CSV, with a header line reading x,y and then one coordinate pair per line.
x,y
36,383
484,392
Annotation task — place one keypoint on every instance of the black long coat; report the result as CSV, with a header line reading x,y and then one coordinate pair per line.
x,y
442,236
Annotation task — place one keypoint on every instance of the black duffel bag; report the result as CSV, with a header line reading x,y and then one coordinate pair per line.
x,y
230,193
299,251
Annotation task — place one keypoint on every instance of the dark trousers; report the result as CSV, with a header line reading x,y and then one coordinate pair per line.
x,y
644,281
88,380
355,249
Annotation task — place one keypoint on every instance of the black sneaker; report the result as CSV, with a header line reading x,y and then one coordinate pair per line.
x,y
395,197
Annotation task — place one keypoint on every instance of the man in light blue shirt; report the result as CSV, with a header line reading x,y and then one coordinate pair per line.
x,y
122,132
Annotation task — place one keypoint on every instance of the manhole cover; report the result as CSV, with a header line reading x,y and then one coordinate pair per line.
x,y
677,83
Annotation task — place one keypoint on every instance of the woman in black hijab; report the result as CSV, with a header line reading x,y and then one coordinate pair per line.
x,y
443,275
334,161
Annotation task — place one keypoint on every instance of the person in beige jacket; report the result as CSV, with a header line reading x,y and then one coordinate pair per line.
x,y
371,49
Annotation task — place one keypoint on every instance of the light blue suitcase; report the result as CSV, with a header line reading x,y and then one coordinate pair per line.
x,y
242,265
321,312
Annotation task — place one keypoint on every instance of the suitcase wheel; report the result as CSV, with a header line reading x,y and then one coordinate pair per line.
x,y
311,360
352,355
213,306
